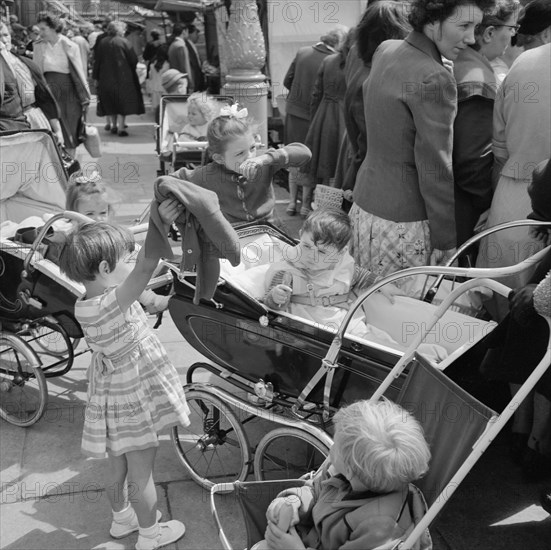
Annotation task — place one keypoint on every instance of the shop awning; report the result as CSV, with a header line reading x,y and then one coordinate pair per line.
x,y
185,5
173,5
59,7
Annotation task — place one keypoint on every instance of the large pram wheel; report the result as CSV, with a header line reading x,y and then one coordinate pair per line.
x,y
214,447
50,339
23,392
288,453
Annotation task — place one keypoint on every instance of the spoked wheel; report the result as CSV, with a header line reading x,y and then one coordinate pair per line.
x,y
288,453
51,339
23,392
214,447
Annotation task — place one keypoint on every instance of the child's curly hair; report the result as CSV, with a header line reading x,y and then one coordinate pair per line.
x,y
206,104
328,226
424,12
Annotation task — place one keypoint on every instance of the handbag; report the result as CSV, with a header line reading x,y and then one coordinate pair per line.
x,y
93,141
89,136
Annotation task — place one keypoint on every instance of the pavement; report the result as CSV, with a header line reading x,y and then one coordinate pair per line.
x,y
51,497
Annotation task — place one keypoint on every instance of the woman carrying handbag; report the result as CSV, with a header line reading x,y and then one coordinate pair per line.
x,y
59,59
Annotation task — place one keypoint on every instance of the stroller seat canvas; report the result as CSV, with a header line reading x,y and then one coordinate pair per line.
x,y
33,176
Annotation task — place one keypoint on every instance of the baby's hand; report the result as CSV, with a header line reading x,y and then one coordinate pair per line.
x,y
169,210
251,167
283,511
280,540
390,291
281,294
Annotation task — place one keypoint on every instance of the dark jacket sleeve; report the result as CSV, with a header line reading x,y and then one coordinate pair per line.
x,y
472,148
317,93
289,77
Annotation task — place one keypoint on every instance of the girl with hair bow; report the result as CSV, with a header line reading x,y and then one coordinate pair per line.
x,y
241,178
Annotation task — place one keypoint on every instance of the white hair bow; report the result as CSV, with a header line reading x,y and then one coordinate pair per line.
x,y
94,177
234,111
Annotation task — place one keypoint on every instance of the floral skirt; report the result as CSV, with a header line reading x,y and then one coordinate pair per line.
x,y
384,246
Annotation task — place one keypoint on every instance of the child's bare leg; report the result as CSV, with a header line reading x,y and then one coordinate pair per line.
x,y
141,489
116,482
307,192
293,192
122,123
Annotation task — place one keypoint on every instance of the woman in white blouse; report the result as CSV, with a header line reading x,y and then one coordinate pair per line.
x,y
60,61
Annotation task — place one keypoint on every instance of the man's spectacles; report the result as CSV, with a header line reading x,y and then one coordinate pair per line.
x,y
513,28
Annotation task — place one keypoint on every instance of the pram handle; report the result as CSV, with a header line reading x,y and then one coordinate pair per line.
x,y
478,276
431,293
68,214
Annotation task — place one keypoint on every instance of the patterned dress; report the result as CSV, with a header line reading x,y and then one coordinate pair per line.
x,y
134,390
384,246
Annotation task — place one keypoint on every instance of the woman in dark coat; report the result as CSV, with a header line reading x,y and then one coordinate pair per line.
x,y
118,86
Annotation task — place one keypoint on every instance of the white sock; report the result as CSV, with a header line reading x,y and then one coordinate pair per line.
x,y
124,515
150,532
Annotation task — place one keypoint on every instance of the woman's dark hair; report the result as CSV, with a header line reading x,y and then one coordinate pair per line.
x,y
383,20
53,21
346,45
161,56
424,12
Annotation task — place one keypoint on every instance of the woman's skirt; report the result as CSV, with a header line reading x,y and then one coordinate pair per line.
x,y
384,246
64,91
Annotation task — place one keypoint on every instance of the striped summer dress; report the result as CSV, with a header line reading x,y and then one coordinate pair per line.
x,y
134,390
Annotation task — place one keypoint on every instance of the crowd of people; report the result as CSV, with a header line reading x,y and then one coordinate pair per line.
x,y
428,117
65,61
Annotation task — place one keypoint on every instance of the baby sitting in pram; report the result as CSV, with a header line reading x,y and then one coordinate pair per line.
x,y
191,128
318,279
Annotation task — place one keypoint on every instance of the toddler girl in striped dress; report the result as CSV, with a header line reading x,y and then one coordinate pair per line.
x,y
134,391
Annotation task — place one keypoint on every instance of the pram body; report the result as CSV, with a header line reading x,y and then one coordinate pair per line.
x,y
285,369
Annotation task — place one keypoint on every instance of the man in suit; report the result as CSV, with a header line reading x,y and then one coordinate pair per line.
x,y
178,55
197,76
